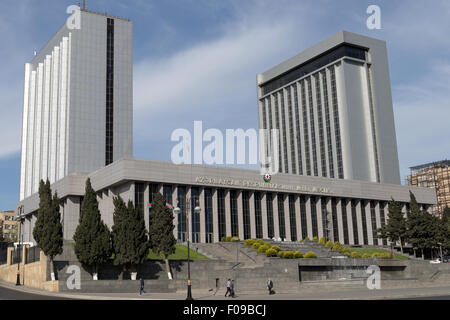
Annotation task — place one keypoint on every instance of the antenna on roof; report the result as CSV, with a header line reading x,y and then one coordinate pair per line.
x,y
84,5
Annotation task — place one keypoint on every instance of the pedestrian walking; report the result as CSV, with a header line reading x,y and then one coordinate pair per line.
x,y
228,293
141,286
270,286
232,289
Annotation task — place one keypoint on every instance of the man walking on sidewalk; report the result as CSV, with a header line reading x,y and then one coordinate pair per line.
x,y
141,286
228,293
270,286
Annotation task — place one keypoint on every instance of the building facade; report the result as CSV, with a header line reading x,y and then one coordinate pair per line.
x,y
435,175
235,202
9,225
77,109
332,106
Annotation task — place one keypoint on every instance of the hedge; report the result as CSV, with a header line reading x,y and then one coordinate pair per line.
x,y
355,255
322,241
249,242
263,248
310,255
271,252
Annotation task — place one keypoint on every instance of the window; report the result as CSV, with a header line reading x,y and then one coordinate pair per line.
x,y
139,189
303,217
208,215
373,219
234,213
355,223
298,124
281,221
292,218
345,220
305,129
364,222
337,131
182,215
246,213
221,212
335,220
313,201
313,128
328,123
195,192
167,193
109,93
321,128
270,227
258,215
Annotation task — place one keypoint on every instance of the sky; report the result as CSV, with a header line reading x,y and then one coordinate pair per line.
x,y
198,60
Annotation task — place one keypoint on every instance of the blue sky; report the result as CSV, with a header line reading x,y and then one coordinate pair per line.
x,y
198,60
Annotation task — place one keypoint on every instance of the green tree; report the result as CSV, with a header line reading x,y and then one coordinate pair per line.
x,y
92,236
48,229
395,228
129,235
161,238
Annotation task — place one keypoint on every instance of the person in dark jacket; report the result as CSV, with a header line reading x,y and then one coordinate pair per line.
x,y
141,286
270,286
232,289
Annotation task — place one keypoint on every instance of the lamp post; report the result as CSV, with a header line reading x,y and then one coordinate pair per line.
x,y
177,210
19,218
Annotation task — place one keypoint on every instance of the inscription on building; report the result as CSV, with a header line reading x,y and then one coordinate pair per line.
x,y
257,184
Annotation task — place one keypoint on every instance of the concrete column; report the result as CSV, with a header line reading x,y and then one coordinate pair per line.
x,y
264,216
240,209
287,221
298,220
188,213
72,215
359,221
215,208
228,212
339,220
175,204
332,226
146,201
351,239
378,220
202,215
370,239
276,224
252,215
309,217
320,217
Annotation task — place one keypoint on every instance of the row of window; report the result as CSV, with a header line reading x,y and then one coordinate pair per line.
x,y
312,123
329,220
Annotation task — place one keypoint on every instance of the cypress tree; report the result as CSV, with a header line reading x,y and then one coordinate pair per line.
x,y
161,237
129,235
92,236
395,228
48,228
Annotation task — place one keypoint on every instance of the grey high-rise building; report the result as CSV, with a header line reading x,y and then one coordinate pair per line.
x,y
78,103
332,104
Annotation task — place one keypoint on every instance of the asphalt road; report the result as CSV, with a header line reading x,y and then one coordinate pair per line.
x,y
10,294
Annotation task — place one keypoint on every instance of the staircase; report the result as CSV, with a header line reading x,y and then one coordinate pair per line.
x,y
231,252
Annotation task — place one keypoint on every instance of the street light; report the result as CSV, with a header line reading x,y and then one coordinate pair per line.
x,y
19,218
177,210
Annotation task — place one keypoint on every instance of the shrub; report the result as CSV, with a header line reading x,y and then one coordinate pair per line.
x,y
315,238
355,255
228,239
337,247
345,251
306,239
281,254
298,255
366,255
288,255
249,242
329,244
310,255
386,255
276,248
322,241
235,239
223,239
255,246
260,241
263,248
301,240
271,252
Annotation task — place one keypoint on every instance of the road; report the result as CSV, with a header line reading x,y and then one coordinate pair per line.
x,y
11,294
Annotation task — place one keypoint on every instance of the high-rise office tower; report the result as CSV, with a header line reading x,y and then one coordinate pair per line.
x,y
78,108
332,105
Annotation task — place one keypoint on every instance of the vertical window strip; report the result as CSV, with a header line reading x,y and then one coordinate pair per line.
x,y
246,213
355,223
374,222
270,226
364,223
321,128
345,220
277,126
303,217
298,137
221,212
283,120
291,131
313,201
305,129
208,214
337,130
234,213
335,220
372,118
313,127
258,215
328,123
109,134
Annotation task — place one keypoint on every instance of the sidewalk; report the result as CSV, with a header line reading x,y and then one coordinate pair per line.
x,y
307,294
